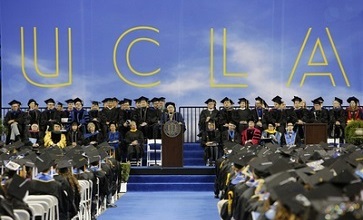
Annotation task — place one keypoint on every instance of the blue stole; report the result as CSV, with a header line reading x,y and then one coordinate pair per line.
x,y
290,140
44,177
231,135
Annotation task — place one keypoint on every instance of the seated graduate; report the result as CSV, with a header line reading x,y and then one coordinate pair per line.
x,y
14,122
210,141
134,139
15,186
34,139
231,135
237,176
93,136
114,139
69,185
251,135
44,183
55,137
74,135
290,137
337,119
270,135
83,173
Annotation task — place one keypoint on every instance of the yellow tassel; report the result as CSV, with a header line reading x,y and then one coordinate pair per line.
x,y
230,200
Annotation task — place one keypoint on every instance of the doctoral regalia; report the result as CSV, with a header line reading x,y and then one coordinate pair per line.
x,y
242,115
47,118
213,115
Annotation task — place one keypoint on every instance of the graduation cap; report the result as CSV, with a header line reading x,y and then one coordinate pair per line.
x,y
229,145
59,103
24,162
352,98
338,100
162,99
102,153
324,175
95,102
18,187
143,98
44,162
115,99
49,101
106,100
344,178
14,102
296,98
240,159
243,100
277,99
105,145
18,144
65,162
127,100
285,194
170,103
279,166
68,101
210,100
11,165
79,161
31,100
258,98
92,153
318,100
280,178
227,99
78,100
155,99
354,158
339,165
260,166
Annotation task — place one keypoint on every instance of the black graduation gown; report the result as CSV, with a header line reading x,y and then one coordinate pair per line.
x,y
204,114
237,138
149,116
303,115
47,118
242,115
34,116
321,116
124,117
225,117
19,117
90,176
70,198
54,188
97,136
263,118
337,114
74,136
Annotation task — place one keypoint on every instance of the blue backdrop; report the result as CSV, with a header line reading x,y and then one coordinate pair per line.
x,y
184,50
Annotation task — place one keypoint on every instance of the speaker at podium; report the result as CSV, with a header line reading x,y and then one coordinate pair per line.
x,y
172,139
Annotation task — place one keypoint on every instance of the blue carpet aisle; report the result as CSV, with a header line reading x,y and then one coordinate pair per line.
x,y
164,206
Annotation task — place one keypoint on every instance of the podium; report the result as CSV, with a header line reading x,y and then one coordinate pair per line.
x,y
315,133
172,139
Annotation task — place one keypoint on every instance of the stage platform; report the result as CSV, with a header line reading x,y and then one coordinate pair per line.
x,y
186,170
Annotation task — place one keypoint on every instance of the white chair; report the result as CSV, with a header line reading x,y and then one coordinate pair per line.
x,y
37,210
50,204
6,218
152,148
21,214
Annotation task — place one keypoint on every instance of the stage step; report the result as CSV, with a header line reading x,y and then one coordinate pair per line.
x,y
171,183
